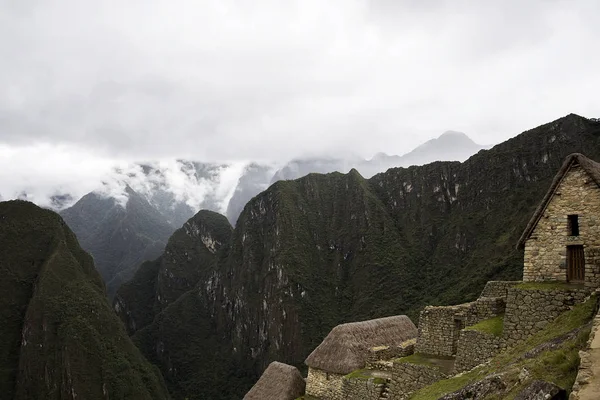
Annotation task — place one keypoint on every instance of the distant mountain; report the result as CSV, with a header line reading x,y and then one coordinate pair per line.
x,y
178,190
165,195
303,166
450,146
254,179
59,338
119,236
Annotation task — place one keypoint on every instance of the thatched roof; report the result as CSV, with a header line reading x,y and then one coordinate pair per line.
x,y
278,382
592,168
346,348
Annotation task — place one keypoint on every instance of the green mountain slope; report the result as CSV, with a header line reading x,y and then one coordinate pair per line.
x,y
190,252
172,324
58,335
118,237
309,254
326,249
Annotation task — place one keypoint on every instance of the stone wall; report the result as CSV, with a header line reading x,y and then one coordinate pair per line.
x,y
439,327
498,288
475,348
389,352
546,249
362,389
408,378
324,385
588,380
529,310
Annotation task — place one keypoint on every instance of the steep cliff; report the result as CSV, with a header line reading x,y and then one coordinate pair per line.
x,y
187,258
60,338
173,324
309,254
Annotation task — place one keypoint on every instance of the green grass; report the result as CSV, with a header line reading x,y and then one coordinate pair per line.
x,y
547,286
417,359
364,374
492,326
445,386
558,365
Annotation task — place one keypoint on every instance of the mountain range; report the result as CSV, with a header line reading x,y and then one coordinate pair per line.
x,y
130,217
218,303
309,254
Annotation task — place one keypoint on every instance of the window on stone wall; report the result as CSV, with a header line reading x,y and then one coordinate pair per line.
x,y
573,225
327,376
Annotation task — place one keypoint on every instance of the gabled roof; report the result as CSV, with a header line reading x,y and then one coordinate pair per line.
x,y
278,382
346,348
592,168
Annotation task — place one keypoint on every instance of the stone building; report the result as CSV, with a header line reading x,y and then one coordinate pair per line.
x,y
348,347
562,239
278,382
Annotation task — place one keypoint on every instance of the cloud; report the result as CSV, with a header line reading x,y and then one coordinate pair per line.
x,y
58,176
43,171
233,80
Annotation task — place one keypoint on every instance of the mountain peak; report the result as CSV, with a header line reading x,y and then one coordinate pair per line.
x,y
454,134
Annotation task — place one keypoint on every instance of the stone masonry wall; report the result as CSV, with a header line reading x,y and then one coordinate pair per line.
x,y
475,348
388,352
546,249
497,288
408,378
588,380
325,386
362,389
438,331
528,311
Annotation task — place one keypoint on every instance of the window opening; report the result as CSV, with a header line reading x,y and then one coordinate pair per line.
x,y
573,225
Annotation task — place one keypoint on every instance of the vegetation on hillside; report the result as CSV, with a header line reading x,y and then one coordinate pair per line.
x,y
309,254
172,324
550,355
119,237
59,337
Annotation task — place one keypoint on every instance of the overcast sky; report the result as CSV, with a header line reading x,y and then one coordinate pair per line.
x,y
100,80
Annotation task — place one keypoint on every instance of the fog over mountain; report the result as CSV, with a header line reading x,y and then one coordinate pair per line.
x,y
178,189
86,87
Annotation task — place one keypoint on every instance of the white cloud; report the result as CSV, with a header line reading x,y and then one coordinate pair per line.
x,y
43,171
233,80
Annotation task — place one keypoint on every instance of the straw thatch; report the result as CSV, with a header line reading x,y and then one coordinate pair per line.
x,y
278,382
592,168
346,348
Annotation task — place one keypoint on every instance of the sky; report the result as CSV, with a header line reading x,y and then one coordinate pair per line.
x,y
87,84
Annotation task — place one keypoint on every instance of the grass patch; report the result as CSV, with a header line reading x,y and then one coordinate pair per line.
x,y
493,326
440,388
416,359
358,374
548,286
364,374
558,366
